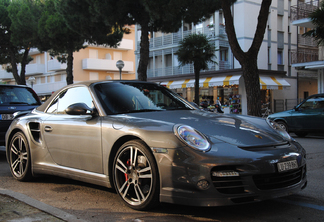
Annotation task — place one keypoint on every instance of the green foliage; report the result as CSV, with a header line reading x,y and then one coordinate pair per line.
x,y
24,15
18,19
57,37
80,17
317,18
196,49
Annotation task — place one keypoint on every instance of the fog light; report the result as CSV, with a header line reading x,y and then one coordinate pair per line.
x,y
225,174
203,184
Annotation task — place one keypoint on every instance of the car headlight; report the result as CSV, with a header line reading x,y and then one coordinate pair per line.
x,y
192,137
278,128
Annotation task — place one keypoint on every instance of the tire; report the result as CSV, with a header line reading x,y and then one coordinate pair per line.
x,y
135,176
19,157
283,125
301,134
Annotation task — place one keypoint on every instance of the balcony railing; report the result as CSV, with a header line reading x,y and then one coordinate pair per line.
x,y
106,65
33,69
304,55
174,38
55,65
306,41
303,10
175,70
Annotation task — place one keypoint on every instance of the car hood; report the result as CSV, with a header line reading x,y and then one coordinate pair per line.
x,y
239,130
282,114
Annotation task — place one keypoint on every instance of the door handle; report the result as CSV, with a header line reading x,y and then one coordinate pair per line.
x,y
48,129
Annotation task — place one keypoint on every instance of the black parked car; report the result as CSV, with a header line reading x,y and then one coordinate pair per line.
x,y
14,98
306,117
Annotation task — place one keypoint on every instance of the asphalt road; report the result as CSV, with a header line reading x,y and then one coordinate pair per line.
x,y
94,203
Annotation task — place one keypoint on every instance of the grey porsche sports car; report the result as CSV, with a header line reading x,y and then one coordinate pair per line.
x,y
153,146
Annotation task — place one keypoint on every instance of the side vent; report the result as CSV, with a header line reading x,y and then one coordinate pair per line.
x,y
35,130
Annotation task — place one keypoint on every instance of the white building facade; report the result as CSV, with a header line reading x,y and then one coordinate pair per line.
x,y
308,59
224,82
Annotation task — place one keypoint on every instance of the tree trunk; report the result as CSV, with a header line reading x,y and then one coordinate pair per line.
x,y
14,68
23,67
144,53
197,71
248,60
252,86
69,68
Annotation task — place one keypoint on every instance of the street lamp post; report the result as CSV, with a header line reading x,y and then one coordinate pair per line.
x,y
120,65
32,80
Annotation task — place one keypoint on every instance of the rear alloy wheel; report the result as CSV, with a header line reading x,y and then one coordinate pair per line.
x,y
135,175
19,157
283,125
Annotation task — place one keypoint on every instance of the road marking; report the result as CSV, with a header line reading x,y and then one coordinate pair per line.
x,y
313,206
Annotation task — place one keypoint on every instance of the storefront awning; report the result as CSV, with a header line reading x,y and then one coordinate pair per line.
x,y
266,82
270,82
203,82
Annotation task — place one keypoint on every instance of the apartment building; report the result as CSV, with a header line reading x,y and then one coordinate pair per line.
x,y
224,82
45,74
308,58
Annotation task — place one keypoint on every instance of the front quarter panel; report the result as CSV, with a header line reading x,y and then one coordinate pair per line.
x,y
118,129
30,126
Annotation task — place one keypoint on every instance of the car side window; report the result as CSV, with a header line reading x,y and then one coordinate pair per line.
x,y
69,97
313,103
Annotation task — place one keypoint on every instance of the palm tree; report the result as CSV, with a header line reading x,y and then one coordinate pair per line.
x,y
197,50
317,18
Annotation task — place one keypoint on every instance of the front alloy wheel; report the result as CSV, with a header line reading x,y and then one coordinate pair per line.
x,y
135,175
19,157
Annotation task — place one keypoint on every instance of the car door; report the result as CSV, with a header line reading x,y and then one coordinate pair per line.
x,y
310,114
73,140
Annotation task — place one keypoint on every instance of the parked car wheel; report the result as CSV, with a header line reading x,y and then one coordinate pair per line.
x,y
301,134
135,175
283,125
19,157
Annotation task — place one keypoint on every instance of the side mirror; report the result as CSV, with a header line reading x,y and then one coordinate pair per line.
x,y
79,109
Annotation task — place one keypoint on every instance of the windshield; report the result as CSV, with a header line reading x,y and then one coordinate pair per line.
x,y
17,95
128,97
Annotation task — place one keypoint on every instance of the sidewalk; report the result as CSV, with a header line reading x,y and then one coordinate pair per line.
x,y
19,207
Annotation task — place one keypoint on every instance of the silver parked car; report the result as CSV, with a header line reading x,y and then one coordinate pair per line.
x,y
153,146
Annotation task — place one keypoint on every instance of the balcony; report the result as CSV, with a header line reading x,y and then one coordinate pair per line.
x,y
304,55
106,65
55,65
34,69
173,39
5,75
300,13
306,41
125,44
175,70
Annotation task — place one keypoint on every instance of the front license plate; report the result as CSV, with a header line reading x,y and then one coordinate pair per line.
x,y
289,165
6,116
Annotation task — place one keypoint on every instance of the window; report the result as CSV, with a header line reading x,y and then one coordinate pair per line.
x,y
313,103
93,54
117,56
223,54
280,57
69,97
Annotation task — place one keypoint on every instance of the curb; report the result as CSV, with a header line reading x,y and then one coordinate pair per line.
x,y
41,206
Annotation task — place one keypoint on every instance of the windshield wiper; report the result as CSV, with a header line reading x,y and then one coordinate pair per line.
x,y
19,103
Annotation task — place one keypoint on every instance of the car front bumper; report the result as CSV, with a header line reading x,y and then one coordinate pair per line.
x,y
188,177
